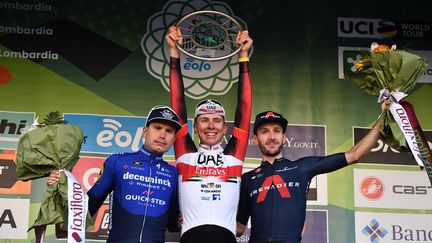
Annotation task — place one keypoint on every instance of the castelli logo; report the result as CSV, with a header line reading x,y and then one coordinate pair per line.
x,y
372,188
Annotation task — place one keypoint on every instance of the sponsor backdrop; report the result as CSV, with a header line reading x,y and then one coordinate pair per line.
x,y
104,64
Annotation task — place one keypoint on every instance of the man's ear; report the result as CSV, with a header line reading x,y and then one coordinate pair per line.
x,y
255,139
145,131
195,128
225,128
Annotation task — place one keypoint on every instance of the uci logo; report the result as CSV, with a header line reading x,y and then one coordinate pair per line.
x,y
359,27
366,28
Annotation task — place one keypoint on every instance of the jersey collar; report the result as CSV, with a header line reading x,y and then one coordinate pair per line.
x,y
208,148
265,162
151,155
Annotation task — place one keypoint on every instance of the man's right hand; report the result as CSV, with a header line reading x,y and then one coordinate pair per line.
x,y
240,229
173,36
244,38
53,177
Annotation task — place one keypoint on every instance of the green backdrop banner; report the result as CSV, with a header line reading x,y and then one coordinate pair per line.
x,y
104,64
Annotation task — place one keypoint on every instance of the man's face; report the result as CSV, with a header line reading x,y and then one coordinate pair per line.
x,y
159,136
210,128
270,138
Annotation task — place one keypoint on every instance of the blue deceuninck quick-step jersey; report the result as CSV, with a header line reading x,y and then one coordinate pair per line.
x,y
275,195
144,188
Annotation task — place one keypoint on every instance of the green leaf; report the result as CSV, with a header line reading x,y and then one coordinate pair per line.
x,y
53,118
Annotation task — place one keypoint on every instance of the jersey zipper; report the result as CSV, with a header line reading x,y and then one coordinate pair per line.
x,y
147,202
271,203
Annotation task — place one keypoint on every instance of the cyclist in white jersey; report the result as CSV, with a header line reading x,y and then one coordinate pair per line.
x,y
209,177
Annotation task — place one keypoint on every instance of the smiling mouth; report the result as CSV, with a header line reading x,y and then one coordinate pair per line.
x,y
211,134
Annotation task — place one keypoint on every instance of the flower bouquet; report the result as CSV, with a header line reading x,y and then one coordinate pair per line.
x,y
389,74
51,145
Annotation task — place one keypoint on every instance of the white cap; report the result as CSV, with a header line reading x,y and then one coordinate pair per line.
x,y
209,107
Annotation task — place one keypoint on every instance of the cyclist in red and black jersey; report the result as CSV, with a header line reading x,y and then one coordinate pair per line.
x,y
274,194
209,176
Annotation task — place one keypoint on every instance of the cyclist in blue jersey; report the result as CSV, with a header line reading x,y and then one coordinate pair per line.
x,y
274,194
144,186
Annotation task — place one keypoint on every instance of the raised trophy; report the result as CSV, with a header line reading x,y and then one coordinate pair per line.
x,y
209,35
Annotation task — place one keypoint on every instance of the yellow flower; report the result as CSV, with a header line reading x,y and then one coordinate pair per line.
x,y
360,66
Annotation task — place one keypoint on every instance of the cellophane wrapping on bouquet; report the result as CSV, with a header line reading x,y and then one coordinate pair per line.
x,y
42,149
390,74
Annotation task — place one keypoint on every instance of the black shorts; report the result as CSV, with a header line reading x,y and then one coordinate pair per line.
x,y
208,234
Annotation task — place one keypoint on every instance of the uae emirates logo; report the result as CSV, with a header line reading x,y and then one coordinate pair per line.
x,y
200,78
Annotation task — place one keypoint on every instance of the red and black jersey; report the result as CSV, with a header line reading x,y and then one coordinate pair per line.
x,y
275,195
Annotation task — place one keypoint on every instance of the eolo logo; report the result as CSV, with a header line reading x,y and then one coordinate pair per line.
x,y
201,78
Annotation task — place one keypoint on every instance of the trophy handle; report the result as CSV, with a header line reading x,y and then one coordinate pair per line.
x,y
208,38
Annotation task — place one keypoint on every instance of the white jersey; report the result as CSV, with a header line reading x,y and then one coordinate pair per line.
x,y
209,177
209,187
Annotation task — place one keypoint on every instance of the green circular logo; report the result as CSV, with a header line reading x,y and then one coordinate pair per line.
x,y
201,78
